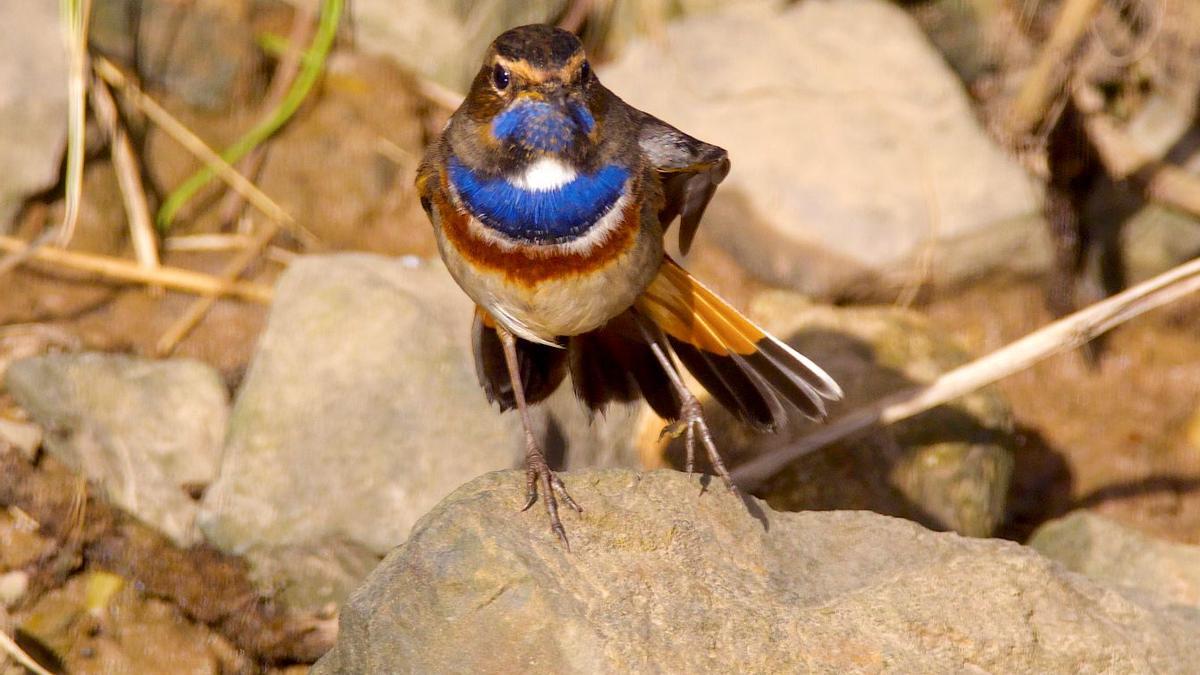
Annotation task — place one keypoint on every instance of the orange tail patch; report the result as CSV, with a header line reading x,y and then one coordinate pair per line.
x,y
740,364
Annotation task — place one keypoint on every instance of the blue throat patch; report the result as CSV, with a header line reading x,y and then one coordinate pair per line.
x,y
544,216
541,126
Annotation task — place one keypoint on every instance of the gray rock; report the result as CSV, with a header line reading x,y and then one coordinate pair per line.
x,y
33,102
203,53
855,171
665,578
1155,239
966,32
143,430
359,412
1116,555
443,41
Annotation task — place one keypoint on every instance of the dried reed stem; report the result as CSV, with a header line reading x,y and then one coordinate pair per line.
x,y
129,178
194,144
128,271
1065,334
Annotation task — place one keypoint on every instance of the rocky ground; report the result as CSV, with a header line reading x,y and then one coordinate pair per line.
x,y
329,462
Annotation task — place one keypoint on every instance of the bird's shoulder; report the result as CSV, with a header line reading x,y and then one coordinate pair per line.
x,y
687,168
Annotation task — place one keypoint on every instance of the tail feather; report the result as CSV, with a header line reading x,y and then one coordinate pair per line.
x,y
715,341
733,386
608,366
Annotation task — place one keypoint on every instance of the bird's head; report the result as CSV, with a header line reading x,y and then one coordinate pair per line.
x,y
534,97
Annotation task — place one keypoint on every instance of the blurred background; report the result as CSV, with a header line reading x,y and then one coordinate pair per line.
x,y
235,373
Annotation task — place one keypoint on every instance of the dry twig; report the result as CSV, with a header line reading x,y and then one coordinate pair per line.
x,y
129,178
9,646
232,270
1062,335
1051,69
130,272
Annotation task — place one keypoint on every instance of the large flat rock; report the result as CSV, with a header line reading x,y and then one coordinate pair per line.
x,y
663,577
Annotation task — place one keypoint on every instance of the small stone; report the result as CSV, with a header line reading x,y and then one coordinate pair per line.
x,y
140,429
204,53
12,587
24,437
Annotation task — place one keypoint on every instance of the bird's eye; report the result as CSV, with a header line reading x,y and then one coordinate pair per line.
x,y
500,77
585,71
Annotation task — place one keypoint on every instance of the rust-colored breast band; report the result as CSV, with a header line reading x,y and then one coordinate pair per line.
x,y
530,265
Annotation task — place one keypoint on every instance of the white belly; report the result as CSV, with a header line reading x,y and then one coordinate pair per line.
x,y
568,304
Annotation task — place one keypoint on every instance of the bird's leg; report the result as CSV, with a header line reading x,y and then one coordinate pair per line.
x,y
691,415
536,469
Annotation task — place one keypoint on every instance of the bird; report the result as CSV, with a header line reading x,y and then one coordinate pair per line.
x,y
550,199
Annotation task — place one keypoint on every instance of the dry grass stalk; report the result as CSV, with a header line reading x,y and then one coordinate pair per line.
x,y
207,242
1051,69
1062,335
76,14
232,270
194,144
127,271
129,178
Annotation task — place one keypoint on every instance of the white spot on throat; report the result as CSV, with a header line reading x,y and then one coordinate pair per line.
x,y
543,175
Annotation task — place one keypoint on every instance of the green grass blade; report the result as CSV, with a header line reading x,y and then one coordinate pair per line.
x,y
312,63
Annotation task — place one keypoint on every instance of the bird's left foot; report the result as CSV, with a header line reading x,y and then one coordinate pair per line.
x,y
538,475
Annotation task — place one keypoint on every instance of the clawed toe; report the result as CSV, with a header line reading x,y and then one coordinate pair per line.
x,y
691,420
539,478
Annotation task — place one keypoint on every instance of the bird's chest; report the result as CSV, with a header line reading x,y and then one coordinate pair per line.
x,y
549,256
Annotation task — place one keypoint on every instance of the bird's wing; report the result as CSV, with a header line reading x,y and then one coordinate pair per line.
x,y
690,170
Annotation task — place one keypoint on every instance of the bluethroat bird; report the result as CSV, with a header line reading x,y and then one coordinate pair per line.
x,y
550,198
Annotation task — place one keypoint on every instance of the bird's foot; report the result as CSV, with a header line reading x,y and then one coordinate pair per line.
x,y
691,423
539,476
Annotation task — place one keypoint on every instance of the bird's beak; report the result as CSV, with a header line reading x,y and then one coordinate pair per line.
x,y
546,120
